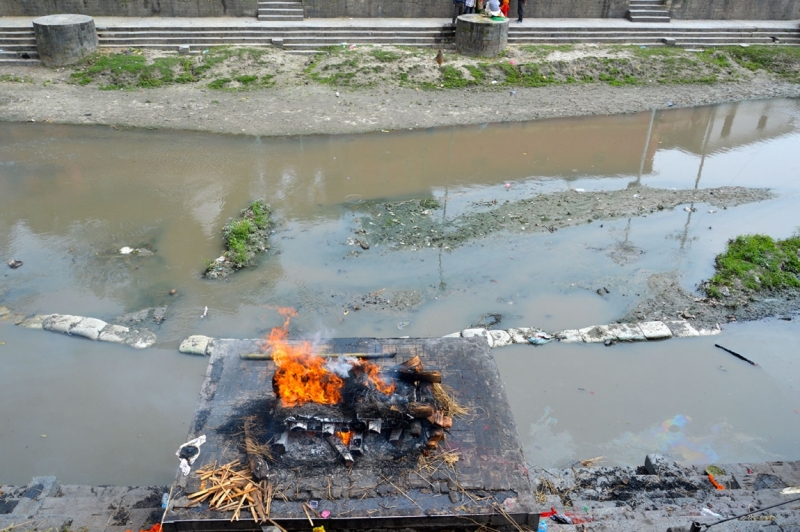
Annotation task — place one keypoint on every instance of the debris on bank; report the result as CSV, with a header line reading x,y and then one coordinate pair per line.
x,y
84,327
244,237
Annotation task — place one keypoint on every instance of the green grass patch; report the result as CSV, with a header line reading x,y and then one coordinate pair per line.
x,y
385,56
781,60
757,262
245,236
10,78
429,203
129,70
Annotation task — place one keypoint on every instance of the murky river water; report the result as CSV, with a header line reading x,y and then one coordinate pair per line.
x,y
99,413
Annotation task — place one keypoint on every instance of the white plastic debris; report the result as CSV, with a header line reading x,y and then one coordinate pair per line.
x,y
125,250
188,458
205,312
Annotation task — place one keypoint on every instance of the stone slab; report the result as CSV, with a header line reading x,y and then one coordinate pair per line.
x,y
500,338
34,322
480,333
596,334
61,323
681,329
626,332
569,336
88,328
655,330
195,345
114,333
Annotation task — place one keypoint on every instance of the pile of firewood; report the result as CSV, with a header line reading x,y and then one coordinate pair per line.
x,y
231,488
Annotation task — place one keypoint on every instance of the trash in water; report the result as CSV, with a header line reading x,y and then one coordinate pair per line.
x,y
205,313
14,264
540,338
403,324
508,185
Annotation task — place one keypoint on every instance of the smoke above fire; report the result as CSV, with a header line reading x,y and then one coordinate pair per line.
x,y
304,377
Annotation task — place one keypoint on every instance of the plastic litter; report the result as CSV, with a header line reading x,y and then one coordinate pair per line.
x,y
542,525
670,104
325,514
313,504
540,338
790,491
561,519
205,312
164,500
709,513
190,455
403,324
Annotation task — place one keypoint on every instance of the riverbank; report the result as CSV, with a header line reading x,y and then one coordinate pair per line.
x,y
271,93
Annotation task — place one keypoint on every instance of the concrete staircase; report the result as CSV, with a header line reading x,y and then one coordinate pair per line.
x,y
647,11
653,36
278,11
294,38
18,47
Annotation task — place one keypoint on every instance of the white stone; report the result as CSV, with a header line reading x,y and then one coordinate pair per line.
x,y
452,335
88,328
681,329
195,345
569,336
500,338
114,333
519,335
626,332
61,323
709,332
34,322
596,334
655,330
471,333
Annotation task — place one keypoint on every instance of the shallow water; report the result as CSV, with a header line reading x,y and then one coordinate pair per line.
x,y
71,196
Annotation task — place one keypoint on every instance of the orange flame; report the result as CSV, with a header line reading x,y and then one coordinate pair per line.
x,y
372,372
301,376
345,437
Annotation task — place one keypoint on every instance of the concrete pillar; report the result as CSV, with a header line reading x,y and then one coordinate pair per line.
x,y
64,39
478,35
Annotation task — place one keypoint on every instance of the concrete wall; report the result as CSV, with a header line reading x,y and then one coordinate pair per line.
x,y
680,9
131,8
444,8
736,9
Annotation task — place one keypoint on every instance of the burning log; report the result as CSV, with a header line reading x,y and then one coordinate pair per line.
x,y
441,420
268,355
339,446
420,376
420,410
437,435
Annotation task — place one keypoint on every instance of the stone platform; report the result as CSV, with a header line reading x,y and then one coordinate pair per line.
x,y
376,492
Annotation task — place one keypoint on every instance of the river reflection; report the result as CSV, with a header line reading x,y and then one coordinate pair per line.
x,y
71,196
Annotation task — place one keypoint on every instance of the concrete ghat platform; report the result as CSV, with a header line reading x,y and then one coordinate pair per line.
x,y
653,497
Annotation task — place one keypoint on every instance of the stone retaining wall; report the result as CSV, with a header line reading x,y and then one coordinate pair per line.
x,y
735,9
131,8
679,9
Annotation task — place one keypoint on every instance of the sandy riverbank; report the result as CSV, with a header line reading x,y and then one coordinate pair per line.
x,y
304,96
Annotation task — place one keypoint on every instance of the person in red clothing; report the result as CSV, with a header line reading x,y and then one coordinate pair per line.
x,y
504,8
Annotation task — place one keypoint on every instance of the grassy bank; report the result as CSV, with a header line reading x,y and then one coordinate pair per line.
x,y
756,263
246,69
244,238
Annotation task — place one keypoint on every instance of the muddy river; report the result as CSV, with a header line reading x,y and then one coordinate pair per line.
x,y
95,413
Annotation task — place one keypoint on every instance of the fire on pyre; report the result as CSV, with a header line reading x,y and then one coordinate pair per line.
x,y
347,400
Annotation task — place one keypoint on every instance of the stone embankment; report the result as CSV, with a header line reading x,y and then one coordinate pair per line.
x,y
659,496
82,326
605,334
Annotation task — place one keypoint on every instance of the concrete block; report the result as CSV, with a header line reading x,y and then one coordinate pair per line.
x,y
681,329
596,334
472,333
184,49
61,323
569,336
88,328
114,333
669,41
626,332
519,334
655,330
277,41
195,345
34,322
500,338
141,339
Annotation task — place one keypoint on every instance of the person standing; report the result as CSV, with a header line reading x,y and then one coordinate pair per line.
x,y
458,9
504,8
520,3
470,7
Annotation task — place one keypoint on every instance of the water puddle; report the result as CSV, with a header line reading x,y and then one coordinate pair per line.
x,y
71,196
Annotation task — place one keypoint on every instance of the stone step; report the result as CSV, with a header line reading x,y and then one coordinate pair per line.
x,y
649,19
280,11
657,33
240,41
280,4
648,13
342,35
309,46
280,18
24,54
19,62
17,47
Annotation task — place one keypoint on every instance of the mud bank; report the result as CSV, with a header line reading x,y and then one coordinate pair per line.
x,y
323,96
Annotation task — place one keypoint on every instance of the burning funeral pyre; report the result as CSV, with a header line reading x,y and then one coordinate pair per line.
x,y
347,400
